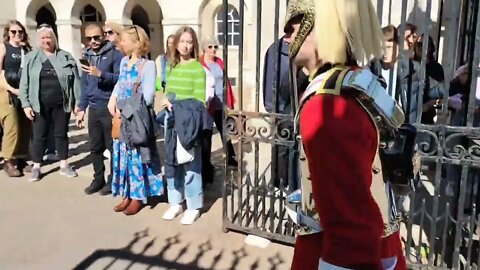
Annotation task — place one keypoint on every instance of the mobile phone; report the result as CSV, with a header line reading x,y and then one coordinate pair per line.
x,y
84,62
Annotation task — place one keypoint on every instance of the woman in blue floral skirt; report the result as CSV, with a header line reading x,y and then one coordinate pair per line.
x,y
134,177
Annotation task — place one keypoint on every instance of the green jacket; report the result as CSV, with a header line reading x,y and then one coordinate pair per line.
x,y
68,76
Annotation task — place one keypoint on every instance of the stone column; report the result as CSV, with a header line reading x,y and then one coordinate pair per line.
x,y
156,40
69,36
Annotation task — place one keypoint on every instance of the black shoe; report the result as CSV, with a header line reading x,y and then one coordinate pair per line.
x,y
106,190
208,174
94,187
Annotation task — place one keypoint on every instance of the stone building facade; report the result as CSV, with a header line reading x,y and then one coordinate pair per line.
x,y
161,18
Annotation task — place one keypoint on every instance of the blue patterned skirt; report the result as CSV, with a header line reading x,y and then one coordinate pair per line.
x,y
131,178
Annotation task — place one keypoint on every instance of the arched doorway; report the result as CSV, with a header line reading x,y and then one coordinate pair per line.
x,y
90,14
87,12
148,15
46,14
140,18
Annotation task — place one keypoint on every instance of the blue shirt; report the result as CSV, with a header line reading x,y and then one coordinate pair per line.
x,y
217,73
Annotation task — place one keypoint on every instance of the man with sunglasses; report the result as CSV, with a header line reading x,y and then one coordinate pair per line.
x,y
101,67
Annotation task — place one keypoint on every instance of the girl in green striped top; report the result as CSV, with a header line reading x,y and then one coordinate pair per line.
x,y
186,79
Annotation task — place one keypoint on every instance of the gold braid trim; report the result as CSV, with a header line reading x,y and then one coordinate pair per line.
x,y
307,9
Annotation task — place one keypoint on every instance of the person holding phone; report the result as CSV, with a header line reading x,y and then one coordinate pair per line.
x,y
100,70
85,62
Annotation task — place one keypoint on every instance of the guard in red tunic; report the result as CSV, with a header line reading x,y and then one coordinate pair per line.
x,y
347,124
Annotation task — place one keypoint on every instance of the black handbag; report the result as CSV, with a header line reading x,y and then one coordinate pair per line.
x,y
13,79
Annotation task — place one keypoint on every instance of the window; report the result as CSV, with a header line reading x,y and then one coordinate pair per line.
x,y
233,26
90,14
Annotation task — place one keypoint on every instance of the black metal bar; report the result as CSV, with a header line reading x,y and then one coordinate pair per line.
x,y
423,76
276,81
450,43
474,63
471,229
402,58
380,10
459,218
226,183
445,233
420,237
240,102
257,109
264,203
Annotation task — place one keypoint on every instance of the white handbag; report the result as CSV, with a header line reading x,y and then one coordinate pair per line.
x,y
184,156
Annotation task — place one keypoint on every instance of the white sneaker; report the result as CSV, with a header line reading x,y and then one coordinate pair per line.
x,y
190,216
106,154
172,212
51,157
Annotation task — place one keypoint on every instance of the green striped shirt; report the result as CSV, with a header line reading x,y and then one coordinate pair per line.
x,y
187,80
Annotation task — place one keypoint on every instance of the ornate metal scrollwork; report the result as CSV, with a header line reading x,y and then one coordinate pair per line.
x,y
427,142
460,146
269,128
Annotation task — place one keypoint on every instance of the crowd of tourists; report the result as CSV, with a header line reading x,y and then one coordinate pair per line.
x,y
111,91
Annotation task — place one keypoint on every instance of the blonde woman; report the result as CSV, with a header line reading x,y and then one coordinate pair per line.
x,y
49,92
162,63
112,32
186,81
134,170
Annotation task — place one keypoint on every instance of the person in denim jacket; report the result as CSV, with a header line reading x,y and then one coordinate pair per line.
x,y
49,92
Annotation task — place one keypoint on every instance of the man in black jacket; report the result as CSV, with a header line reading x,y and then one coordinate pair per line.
x,y
277,56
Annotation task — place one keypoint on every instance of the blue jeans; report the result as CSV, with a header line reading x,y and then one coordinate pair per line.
x,y
187,184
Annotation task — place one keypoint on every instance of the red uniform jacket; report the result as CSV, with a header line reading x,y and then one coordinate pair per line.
x,y
340,142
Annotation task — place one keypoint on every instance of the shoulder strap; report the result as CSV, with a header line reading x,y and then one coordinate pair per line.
x,y
164,68
139,77
332,84
22,51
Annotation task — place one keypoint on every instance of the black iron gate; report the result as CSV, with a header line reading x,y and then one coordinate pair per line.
x,y
442,227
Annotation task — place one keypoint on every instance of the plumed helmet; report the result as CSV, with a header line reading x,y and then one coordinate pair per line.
x,y
344,29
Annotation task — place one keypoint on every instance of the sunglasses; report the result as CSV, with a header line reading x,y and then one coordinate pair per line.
x,y
213,47
109,33
14,32
94,38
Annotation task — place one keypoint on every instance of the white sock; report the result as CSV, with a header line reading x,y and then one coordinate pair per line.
x,y
63,163
36,165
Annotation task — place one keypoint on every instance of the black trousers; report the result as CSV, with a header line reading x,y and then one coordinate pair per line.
x,y
217,118
50,114
100,139
207,167
50,141
281,167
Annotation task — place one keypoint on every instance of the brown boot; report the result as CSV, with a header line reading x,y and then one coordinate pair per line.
x,y
122,206
134,207
10,169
